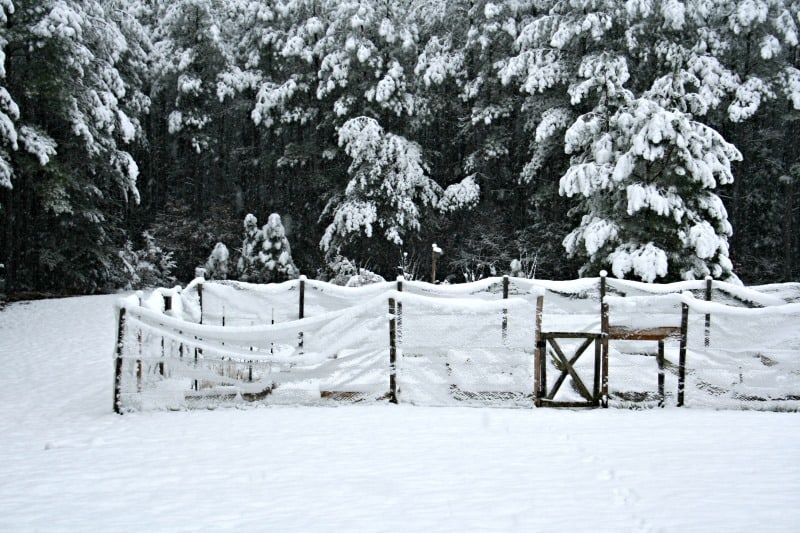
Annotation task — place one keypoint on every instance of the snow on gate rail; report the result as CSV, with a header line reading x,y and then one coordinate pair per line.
x,y
308,342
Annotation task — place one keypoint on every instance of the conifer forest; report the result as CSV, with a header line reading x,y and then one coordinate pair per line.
x,y
139,139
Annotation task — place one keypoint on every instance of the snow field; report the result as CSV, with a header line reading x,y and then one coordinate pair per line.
x,y
69,464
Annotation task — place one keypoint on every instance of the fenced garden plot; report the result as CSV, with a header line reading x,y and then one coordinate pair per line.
x,y
499,341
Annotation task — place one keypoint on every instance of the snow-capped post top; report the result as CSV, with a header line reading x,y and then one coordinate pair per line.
x,y
603,273
435,248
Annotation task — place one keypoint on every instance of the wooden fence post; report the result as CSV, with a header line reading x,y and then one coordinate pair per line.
x,y
709,281
603,276
302,309
302,303
433,263
539,355
118,362
200,298
139,360
392,351
604,330
682,353
400,280
660,361
505,311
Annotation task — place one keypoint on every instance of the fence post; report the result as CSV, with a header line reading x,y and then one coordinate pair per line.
x,y
302,303
200,298
660,362
139,360
709,281
167,309
505,311
682,353
435,253
604,329
400,280
392,351
118,362
539,355
302,309
603,275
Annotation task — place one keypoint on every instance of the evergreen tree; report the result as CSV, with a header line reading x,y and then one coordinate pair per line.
x,y
266,255
276,254
389,187
73,173
217,264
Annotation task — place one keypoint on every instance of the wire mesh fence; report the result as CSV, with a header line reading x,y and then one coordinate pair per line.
x,y
309,342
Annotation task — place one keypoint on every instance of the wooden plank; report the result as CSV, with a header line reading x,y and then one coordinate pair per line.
x,y
596,382
553,403
645,334
570,335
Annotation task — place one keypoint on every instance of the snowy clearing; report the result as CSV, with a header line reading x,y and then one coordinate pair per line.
x,y
69,463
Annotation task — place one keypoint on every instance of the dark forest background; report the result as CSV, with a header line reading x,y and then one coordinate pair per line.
x,y
166,123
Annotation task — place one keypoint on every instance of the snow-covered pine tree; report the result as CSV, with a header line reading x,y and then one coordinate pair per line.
x,y
646,179
217,264
276,254
266,254
73,172
247,266
9,111
646,150
389,188
149,266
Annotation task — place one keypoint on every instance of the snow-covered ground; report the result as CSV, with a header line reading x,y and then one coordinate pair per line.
x,y
67,463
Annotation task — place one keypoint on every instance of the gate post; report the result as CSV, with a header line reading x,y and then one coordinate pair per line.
x,y
539,355
682,353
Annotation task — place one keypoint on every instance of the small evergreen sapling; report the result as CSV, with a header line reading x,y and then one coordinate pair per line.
x,y
148,267
217,264
266,254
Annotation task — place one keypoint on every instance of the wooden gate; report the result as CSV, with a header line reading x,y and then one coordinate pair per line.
x,y
545,397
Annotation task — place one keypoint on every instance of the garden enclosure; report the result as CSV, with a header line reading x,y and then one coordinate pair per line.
x,y
498,341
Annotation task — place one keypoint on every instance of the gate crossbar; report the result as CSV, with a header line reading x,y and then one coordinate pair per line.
x,y
542,396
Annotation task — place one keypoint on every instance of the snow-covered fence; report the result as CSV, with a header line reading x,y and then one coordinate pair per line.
x,y
307,341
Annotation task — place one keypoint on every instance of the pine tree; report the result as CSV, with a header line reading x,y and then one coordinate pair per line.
x,y
276,254
217,264
388,189
73,173
266,256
